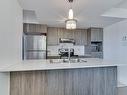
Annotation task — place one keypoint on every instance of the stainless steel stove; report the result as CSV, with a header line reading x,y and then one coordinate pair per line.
x,y
64,52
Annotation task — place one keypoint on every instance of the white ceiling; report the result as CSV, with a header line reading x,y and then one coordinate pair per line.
x,y
87,12
116,12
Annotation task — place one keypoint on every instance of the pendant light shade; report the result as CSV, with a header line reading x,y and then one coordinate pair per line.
x,y
71,24
71,14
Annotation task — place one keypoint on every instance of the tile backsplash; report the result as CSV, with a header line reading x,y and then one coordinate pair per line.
x,y
78,49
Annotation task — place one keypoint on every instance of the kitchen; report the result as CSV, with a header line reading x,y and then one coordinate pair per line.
x,y
89,44
88,60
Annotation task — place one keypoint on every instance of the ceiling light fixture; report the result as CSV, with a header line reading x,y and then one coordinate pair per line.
x,y
71,14
71,22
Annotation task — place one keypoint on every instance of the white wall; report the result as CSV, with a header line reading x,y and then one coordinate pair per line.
x,y
10,30
115,48
4,84
10,38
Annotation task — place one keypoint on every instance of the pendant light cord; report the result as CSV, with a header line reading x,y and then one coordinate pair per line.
x,y
70,3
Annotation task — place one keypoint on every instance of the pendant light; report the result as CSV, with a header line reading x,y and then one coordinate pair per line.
x,y
71,14
71,22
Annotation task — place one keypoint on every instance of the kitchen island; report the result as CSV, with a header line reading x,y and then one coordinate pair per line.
x,y
94,77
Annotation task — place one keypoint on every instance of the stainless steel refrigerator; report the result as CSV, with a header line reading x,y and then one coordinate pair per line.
x,y
34,46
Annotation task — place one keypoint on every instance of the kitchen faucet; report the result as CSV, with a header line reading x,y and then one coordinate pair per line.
x,y
69,54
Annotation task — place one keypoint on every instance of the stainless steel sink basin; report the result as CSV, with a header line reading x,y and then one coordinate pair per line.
x,y
67,61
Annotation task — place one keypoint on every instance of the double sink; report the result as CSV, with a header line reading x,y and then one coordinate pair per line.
x,y
77,60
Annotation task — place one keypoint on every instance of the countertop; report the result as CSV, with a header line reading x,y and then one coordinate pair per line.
x,y
31,65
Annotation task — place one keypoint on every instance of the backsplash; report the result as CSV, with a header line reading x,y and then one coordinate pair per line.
x,y
78,50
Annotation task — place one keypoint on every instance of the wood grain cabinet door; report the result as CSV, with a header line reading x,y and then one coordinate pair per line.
x,y
85,81
83,37
77,37
96,34
64,33
69,34
60,33
80,37
52,36
100,35
40,28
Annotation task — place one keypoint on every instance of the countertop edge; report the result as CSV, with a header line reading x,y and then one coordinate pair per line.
x,y
46,65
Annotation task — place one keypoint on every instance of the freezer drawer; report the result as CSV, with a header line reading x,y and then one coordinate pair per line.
x,y
35,55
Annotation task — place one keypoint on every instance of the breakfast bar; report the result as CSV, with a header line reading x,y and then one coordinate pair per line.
x,y
92,77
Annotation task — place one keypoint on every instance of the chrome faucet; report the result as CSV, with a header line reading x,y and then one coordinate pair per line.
x,y
69,54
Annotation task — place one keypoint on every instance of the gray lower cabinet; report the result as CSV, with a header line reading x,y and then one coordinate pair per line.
x,y
85,81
